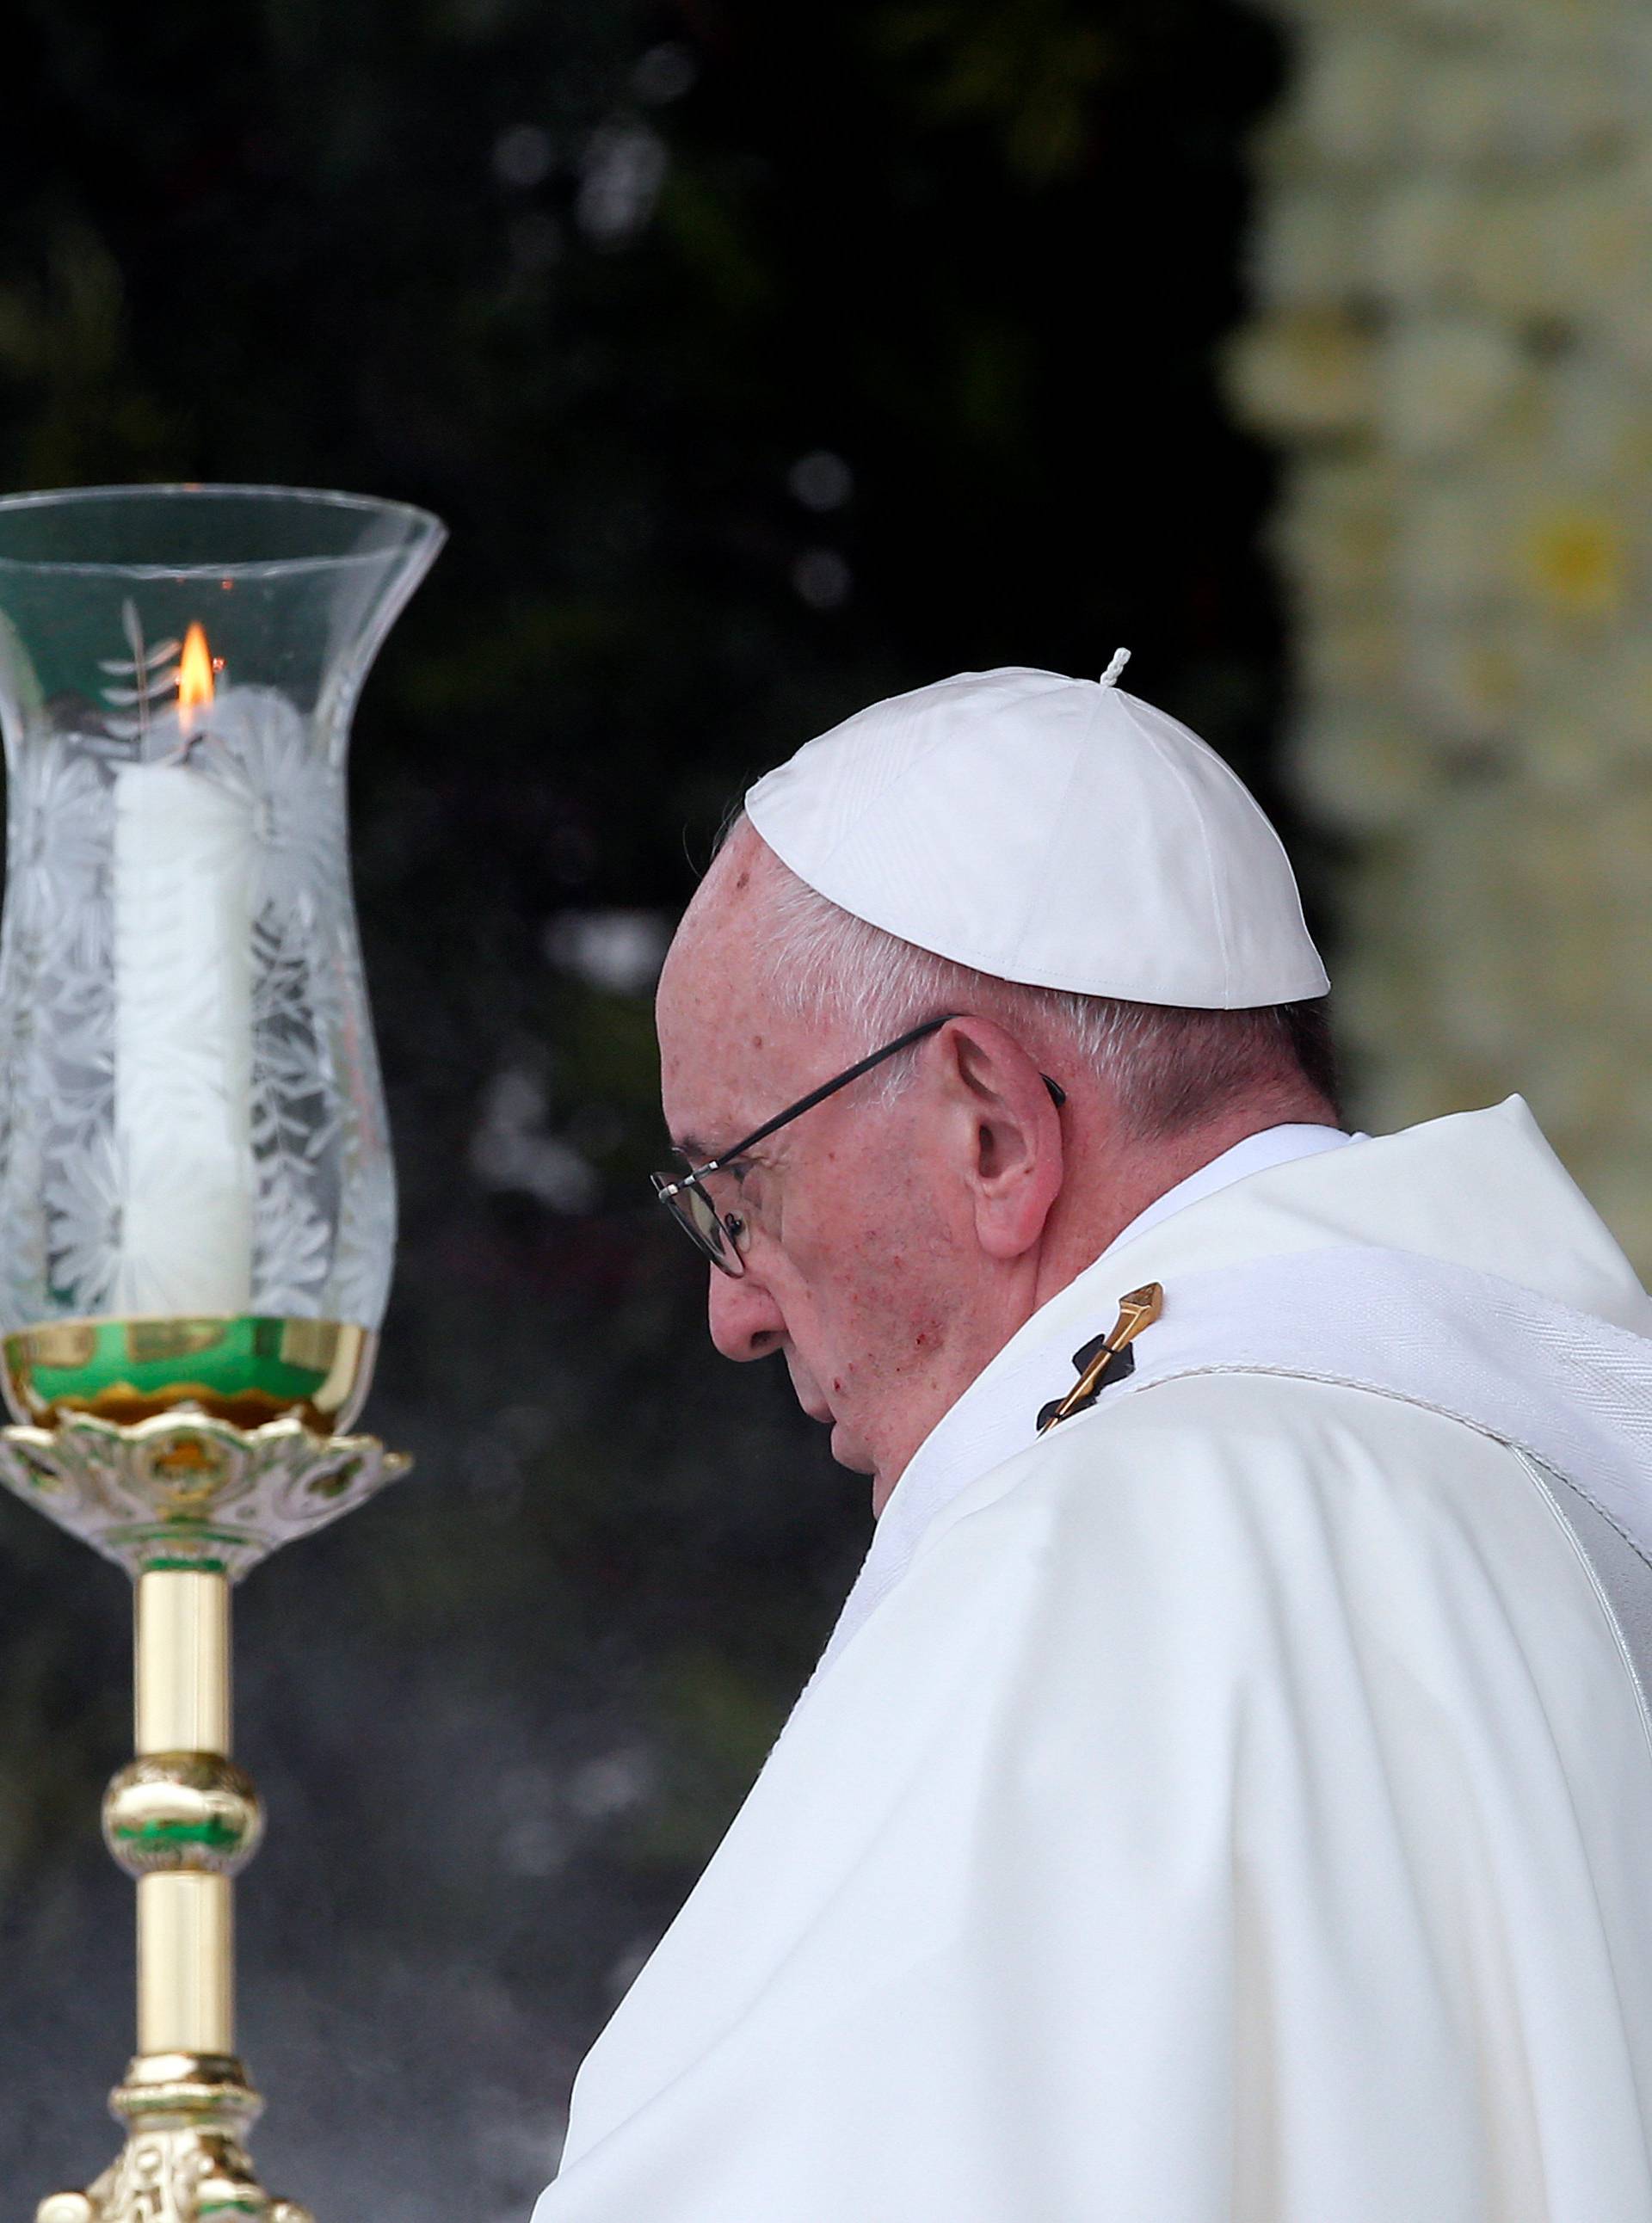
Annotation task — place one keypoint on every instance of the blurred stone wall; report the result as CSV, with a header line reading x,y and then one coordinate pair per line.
x,y
1452,339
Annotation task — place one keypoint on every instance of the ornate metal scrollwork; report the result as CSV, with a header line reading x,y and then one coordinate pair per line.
x,y
186,1489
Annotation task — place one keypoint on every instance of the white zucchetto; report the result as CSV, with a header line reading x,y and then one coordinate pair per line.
x,y
1052,831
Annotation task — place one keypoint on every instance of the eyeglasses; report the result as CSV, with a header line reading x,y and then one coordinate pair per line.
x,y
721,1237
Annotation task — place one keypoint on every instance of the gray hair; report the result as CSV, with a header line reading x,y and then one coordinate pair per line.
x,y
1167,1068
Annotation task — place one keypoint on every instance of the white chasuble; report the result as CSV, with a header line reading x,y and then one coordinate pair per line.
x,y
1234,1805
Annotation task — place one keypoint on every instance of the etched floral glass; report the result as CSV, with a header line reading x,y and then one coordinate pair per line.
x,y
192,1123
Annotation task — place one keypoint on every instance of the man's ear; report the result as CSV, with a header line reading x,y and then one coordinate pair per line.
x,y
1005,1129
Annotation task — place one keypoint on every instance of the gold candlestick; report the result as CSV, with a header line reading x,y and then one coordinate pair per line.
x,y
197,1199
186,1501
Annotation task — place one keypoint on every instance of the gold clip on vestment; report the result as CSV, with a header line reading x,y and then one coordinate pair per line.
x,y
1139,1309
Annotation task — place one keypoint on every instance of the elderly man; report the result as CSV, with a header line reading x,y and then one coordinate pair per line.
x,y
1227,1796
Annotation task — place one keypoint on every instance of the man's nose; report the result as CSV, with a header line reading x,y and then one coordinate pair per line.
x,y
744,1319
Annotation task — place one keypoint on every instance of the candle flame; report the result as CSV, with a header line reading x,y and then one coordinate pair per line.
x,y
194,676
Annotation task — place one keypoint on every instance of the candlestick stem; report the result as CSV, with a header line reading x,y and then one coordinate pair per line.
x,y
181,1661
186,1924
181,1818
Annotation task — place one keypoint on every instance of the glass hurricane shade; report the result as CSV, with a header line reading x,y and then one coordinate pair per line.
x,y
192,1122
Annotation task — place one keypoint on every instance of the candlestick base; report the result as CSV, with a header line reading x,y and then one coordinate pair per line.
x,y
184,2162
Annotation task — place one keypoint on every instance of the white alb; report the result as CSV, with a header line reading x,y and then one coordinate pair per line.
x,y
1234,1808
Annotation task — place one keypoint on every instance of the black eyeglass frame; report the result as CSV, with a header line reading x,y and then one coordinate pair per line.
x,y
673,1189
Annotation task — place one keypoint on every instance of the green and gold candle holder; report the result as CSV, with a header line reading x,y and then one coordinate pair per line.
x,y
197,1199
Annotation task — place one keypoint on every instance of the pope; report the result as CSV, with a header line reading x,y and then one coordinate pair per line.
x,y
1226,1795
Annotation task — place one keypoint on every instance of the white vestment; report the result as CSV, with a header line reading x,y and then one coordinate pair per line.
x,y
1233,1806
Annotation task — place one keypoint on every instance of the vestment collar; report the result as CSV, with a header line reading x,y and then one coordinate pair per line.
x,y
1327,1222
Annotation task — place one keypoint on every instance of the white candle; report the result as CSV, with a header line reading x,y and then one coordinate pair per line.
x,y
183,865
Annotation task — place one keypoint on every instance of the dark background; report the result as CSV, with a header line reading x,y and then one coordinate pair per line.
x,y
762,362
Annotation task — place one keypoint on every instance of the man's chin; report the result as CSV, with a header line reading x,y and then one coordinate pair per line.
x,y
853,1455
850,1452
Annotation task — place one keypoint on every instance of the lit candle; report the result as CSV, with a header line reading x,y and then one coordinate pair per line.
x,y
183,869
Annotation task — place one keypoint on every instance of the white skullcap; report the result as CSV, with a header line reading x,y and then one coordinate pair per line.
x,y
1048,830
